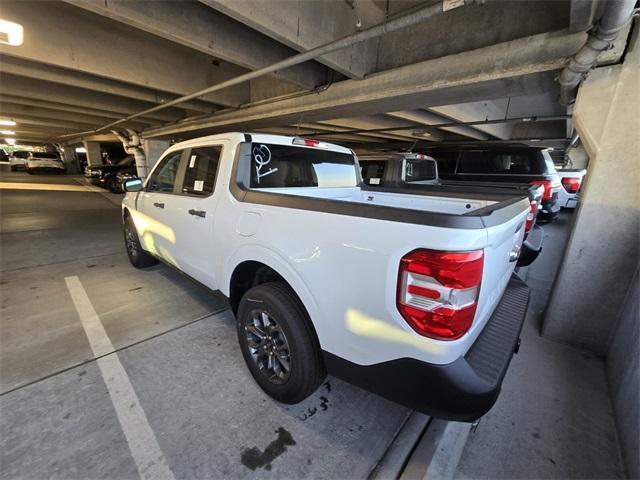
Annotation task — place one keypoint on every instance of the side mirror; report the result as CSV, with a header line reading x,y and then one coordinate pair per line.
x,y
133,185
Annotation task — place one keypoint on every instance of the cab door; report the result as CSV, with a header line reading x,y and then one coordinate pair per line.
x,y
155,208
193,212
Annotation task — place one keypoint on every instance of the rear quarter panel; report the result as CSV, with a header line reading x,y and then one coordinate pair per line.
x,y
345,269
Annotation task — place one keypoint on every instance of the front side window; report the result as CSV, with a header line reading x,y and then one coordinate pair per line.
x,y
276,166
200,174
163,178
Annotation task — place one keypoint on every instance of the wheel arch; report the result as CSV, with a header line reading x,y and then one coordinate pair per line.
x,y
255,270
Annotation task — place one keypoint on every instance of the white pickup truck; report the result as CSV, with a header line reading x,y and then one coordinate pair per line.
x,y
411,297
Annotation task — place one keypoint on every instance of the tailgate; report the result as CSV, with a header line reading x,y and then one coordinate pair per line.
x,y
504,241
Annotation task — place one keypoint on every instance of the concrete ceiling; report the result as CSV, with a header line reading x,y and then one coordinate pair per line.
x,y
85,63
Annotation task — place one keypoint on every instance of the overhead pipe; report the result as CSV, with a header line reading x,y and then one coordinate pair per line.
x,y
616,16
390,25
132,144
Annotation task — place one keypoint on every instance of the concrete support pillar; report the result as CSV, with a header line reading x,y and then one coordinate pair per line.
x,y
602,252
153,149
578,157
70,159
94,156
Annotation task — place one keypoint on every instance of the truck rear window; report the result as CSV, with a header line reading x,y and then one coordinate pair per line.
x,y
508,162
276,166
419,170
373,171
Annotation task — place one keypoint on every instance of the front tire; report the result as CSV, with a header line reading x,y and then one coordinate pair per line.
x,y
112,185
137,256
29,171
13,168
278,344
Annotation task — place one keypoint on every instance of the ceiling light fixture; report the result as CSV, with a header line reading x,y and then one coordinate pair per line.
x,y
10,141
11,33
7,123
7,132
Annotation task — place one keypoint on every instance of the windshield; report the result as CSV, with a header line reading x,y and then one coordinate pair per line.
x,y
48,155
275,166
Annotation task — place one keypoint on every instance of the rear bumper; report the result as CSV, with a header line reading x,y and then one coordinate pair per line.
x,y
531,247
463,390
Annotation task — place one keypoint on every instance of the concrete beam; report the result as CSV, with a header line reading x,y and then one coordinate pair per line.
x,y
507,69
66,108
474,111
471,26
429,118
200,28
305,25
25,68
51,92
64,36
17,111
373,122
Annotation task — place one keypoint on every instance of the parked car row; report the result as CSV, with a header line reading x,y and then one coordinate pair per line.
x,y
33,162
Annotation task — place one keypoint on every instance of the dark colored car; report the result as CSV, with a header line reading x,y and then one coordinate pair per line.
x,y
503,163
105,175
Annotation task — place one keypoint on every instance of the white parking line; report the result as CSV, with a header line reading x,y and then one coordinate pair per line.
x,y
149,459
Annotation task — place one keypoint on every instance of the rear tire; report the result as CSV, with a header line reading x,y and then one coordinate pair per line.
x,y
138,257
29,171
13,168
278,343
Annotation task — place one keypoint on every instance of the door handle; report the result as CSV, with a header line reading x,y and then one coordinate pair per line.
x,y
158,205
197,213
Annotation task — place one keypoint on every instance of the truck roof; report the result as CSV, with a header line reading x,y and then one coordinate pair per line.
x,y
256,137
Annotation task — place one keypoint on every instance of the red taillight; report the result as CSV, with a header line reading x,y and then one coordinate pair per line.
x,y
571,185
548,188
438,291
531,215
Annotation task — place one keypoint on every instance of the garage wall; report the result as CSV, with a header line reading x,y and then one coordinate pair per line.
x,y
623,371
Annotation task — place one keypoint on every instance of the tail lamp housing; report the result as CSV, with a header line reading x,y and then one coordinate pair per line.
x,y
571,184
548,188
531,215
437,292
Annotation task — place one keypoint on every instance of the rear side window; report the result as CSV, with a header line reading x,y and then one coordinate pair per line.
x,y
163,178
20,154
373,172
275,166
200,174
419,170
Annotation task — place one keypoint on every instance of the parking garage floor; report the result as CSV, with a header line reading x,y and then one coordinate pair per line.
x,y
175,342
